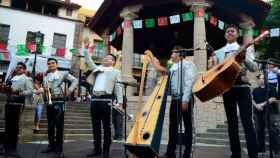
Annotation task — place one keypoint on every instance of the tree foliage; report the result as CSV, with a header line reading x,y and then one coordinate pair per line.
x,y
270,48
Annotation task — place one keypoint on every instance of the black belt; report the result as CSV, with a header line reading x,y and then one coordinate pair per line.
x,y
107,96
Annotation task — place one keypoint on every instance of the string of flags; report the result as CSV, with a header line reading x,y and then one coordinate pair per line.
x,y
181,18
25,50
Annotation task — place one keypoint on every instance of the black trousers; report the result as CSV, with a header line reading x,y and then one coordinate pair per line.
x,y
12,117
55,115
175,116
240,96
101,114
260,120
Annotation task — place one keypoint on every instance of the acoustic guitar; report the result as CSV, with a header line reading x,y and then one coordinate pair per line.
x,y
221,77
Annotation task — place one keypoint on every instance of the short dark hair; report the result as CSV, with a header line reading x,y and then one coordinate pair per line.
x,y
22,64
52,59
114,57
176,48
233,26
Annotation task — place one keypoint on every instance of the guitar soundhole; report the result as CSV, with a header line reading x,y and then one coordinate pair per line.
x,y
159,97
144,114
146,136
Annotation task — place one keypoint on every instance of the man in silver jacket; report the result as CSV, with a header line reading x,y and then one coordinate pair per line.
x,y
54,85
239,94
182,75
21,87
105,88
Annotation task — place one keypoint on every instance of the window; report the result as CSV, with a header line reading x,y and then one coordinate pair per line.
x,y
87,21
59,40
31,40
31,37
68,12
4,33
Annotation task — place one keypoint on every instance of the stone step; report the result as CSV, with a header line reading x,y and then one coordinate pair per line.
x,y
216,141
69,131
226,126
70,126
66,114
70,121
217,135
44,137
88,118
222,130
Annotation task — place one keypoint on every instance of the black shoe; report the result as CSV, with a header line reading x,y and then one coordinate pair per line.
x,y
94,153
168,155
236,156
49,149
13,153
60,155
105,154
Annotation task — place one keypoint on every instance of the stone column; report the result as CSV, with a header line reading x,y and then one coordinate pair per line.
x,y
128,14
199,35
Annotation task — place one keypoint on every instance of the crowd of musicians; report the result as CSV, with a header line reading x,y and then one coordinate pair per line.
x,y
104,79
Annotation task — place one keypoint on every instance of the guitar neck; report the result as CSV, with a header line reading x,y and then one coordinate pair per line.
x,y
242,51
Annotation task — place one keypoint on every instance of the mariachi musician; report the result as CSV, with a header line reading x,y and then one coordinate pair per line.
x,y
105,80
19,86
53,84
239,94
179,108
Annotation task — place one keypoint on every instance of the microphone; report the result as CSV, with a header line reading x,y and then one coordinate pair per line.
x,y
131,84
209,48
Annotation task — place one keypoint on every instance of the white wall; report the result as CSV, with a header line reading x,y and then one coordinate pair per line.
x,y
21,22
62,13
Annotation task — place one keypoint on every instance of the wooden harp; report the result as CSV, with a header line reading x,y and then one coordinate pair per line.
x,y
145,136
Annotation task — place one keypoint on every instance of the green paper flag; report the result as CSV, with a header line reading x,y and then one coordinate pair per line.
x,y
41,49
22,50
150,23
206,17
240,32
256,32
187,16
73,51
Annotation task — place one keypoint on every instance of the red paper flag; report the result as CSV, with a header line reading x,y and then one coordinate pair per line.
x,y
162,21
60,52
263,30
31,47
127,23
213,20
199,12
119,31
3,46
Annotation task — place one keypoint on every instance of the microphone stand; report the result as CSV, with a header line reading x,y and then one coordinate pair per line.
x,y
125,85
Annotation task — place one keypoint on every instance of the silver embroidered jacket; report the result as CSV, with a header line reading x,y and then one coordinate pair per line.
x,y
189,72
112,77
56,81
23,84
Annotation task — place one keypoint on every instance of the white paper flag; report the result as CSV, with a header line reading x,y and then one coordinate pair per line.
x,y
175,19
221,24
137,24
275,32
